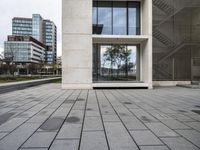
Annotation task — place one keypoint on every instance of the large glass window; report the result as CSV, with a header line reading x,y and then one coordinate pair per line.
x,y
116,18
133,19
119,18
115,62
104,18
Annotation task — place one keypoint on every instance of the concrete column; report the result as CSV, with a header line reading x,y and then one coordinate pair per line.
x,y
77,44
147,45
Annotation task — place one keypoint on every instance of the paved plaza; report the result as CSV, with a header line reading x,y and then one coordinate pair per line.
x,y
49,118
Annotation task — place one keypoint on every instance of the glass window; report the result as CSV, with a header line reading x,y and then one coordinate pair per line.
x,y
94,11
104,18
133,18
119,18
116,18
117,62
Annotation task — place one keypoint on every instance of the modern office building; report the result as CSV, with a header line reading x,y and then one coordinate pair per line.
x,y
50,40
138,43
42,30
24,50
107,44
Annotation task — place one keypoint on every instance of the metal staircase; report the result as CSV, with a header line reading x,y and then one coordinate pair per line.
x,y
163,38
164,6
161,72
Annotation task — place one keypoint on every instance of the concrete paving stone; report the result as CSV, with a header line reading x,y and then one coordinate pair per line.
x,y
154,148
92,113
133,123
161,130
192,135
118,137
45,112
61,112
39,140
70,131
52,124
161,116
143,116
27,114
16,138
5,117
3,134
93,106
145,137
194,125
195,117
33,149
38,119
65,145
75,114
92,123
110,118
12,124
163,110
179,143
174,124
93,141
107,111
79,105
167,110
181,117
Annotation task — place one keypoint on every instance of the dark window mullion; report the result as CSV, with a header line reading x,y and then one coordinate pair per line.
x,y
112,18
127,17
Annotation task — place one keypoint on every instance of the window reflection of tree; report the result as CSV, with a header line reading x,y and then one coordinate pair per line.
x,y
119,58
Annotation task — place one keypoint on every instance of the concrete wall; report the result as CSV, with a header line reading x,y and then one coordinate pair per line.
x,y
77,44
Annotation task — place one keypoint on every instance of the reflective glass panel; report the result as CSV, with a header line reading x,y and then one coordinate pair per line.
x,y
115,63
119,18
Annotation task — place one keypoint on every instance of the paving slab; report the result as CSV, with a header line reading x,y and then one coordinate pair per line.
x,y
145,137
154,148
39,140
70,131
48,118
93,140
65,145
192,135
161,130
179,143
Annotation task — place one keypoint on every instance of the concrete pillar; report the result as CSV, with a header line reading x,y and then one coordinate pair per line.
x,y
146,67
77,44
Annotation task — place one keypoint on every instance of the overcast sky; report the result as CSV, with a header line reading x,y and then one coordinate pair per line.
x,y
48,9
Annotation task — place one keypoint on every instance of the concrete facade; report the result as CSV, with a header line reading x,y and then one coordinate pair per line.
x,y
78,43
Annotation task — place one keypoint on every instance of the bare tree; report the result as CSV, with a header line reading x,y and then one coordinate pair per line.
x,y
9,60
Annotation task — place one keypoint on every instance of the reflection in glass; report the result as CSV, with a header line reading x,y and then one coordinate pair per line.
x,y
119,18
116,18
115,63
104,18
133,18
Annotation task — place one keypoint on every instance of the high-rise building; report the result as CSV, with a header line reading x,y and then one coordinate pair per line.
x,y
130,43
42,30
50,40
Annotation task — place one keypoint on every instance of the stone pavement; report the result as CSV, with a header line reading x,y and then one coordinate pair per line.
x,y
48,118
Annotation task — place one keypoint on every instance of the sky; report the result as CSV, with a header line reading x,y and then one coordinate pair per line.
x,y
48,9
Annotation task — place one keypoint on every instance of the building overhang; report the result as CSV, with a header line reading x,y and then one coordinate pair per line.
x,y
120,85
128,39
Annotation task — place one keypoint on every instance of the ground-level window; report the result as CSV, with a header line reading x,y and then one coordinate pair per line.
x,y
116,62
